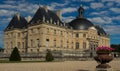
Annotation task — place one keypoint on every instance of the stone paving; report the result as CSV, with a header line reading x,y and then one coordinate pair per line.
x,y
56,66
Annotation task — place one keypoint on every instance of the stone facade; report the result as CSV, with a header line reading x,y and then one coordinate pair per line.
x,y
40,36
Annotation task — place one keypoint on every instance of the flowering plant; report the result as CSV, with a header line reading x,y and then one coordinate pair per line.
x,y
104,49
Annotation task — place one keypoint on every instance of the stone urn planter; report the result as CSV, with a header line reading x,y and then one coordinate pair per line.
x,y
103,57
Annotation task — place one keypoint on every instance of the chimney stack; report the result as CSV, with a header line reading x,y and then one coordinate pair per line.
x,y
28,18
59,14
18,16
46,8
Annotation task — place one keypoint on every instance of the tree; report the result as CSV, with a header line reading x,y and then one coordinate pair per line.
x,y
49,56
15,56
116,47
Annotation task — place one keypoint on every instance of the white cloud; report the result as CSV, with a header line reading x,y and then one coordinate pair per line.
x,y
110,4
4,12
100,13
68,19
116,17
83,0
85,7
116,10
10,2
107,20
112,29
101,20
8,6
97,20
68,10
117,1
96,5
28,8
53,5
5,20
87,0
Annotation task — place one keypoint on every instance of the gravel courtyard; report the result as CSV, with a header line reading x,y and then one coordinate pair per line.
x,y
56,66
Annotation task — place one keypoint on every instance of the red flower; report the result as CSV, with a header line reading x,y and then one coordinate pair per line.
x,y
104,49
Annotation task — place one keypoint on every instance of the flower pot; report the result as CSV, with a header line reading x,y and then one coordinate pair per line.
x,y
102,59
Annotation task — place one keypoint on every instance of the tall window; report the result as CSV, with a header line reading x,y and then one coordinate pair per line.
x,y
47,42
77,45
37,50
77,35
32,31
7,44
38,30
54,31
55,43
72,45
31,50
67,44
18,34
47,30
23,44
38,42
31,43
84,35
61,43
18,44
84,45
11,34
11,44
61,33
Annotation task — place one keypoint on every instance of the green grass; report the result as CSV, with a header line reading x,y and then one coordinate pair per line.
x,y
6,61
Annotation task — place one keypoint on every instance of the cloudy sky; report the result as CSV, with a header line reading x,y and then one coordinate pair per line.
x,y
105,13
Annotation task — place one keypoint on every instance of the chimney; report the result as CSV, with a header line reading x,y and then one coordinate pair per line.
x,y
59,14
46,8
43,19
18,16
28,18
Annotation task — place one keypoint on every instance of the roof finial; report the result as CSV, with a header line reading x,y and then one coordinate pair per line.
x,y
81,3
39,5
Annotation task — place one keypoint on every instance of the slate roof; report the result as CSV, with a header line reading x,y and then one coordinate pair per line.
x,y
41,12
17,23
80,24
100,30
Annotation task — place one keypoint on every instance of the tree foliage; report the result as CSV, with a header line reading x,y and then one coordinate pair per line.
x,y
49,56
116,47
15,56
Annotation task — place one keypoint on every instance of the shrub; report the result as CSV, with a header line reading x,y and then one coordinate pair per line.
x,y
49,56
15,56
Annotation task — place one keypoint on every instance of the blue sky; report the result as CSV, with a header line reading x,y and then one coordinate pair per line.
x,y
105,13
